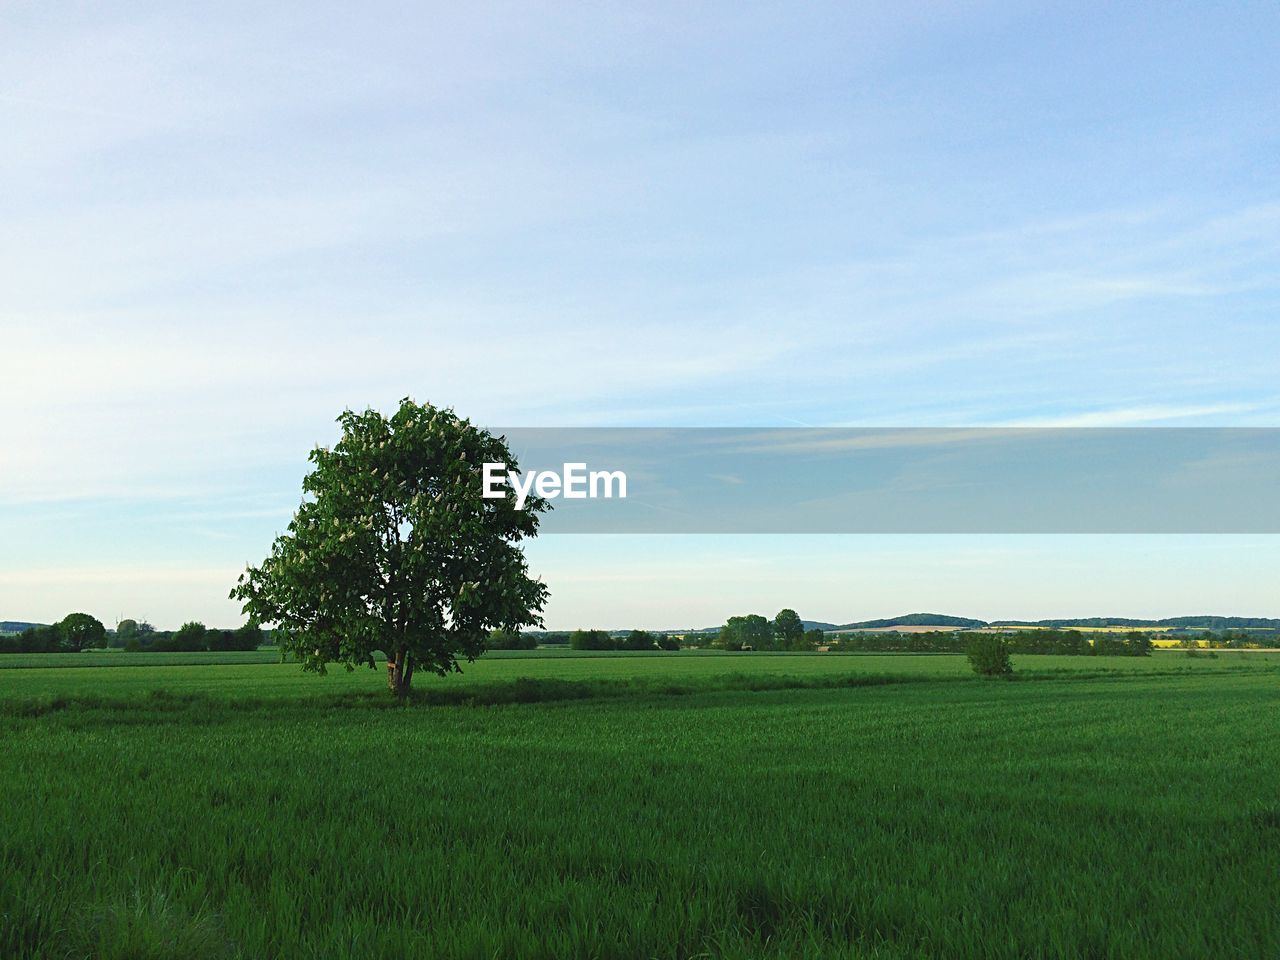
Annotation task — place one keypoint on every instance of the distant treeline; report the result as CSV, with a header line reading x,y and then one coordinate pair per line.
x,y
80,631
528,639
1227,639
753,632
582,640
1062,642
194,636
634,640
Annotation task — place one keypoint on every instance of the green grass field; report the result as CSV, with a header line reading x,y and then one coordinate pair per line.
x,y
644,806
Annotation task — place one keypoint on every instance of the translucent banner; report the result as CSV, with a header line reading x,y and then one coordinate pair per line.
x,y
923,480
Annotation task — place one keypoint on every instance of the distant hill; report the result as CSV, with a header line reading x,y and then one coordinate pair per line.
x,y
913,620
817,625
17,626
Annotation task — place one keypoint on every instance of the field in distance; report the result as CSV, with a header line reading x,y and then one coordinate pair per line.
x,y
41,678
727,805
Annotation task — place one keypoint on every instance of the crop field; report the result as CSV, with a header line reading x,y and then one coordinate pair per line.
x,y
553,674
668,806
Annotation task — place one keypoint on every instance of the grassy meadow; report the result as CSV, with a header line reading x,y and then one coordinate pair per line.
x,y
669,806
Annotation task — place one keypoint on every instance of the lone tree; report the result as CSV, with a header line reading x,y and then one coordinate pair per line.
x,y
395,550
80,631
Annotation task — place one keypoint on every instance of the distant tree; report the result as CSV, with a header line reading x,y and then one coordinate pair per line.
x,y
751,632
668,642
160,641
730,635
126,630
549,637
502,639
247,637
989,655
142,638
146,634
190,637
789,630
758,634
219,640
591,640
79,631
395,549
1073,643
44,639
1108,645
1138,644
638,640
813,639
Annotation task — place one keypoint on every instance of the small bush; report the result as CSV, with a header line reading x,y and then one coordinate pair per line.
x,y
989,655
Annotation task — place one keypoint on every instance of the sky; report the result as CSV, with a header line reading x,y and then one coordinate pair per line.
x,y
220,225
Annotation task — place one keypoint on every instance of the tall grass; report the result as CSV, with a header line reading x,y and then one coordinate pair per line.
x,y
1127,814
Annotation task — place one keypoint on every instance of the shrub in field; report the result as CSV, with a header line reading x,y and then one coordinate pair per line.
x,y
396,548
989,655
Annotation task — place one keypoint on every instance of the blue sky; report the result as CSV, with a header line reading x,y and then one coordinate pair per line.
x,y
219,226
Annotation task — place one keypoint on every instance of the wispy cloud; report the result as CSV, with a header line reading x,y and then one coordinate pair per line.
x,y
876,214
1139,416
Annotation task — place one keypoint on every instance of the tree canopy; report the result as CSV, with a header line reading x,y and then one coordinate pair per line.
x,y
80,631
394,549
752,632
788,630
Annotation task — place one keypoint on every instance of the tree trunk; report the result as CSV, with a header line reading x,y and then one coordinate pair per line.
x,y
399,672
